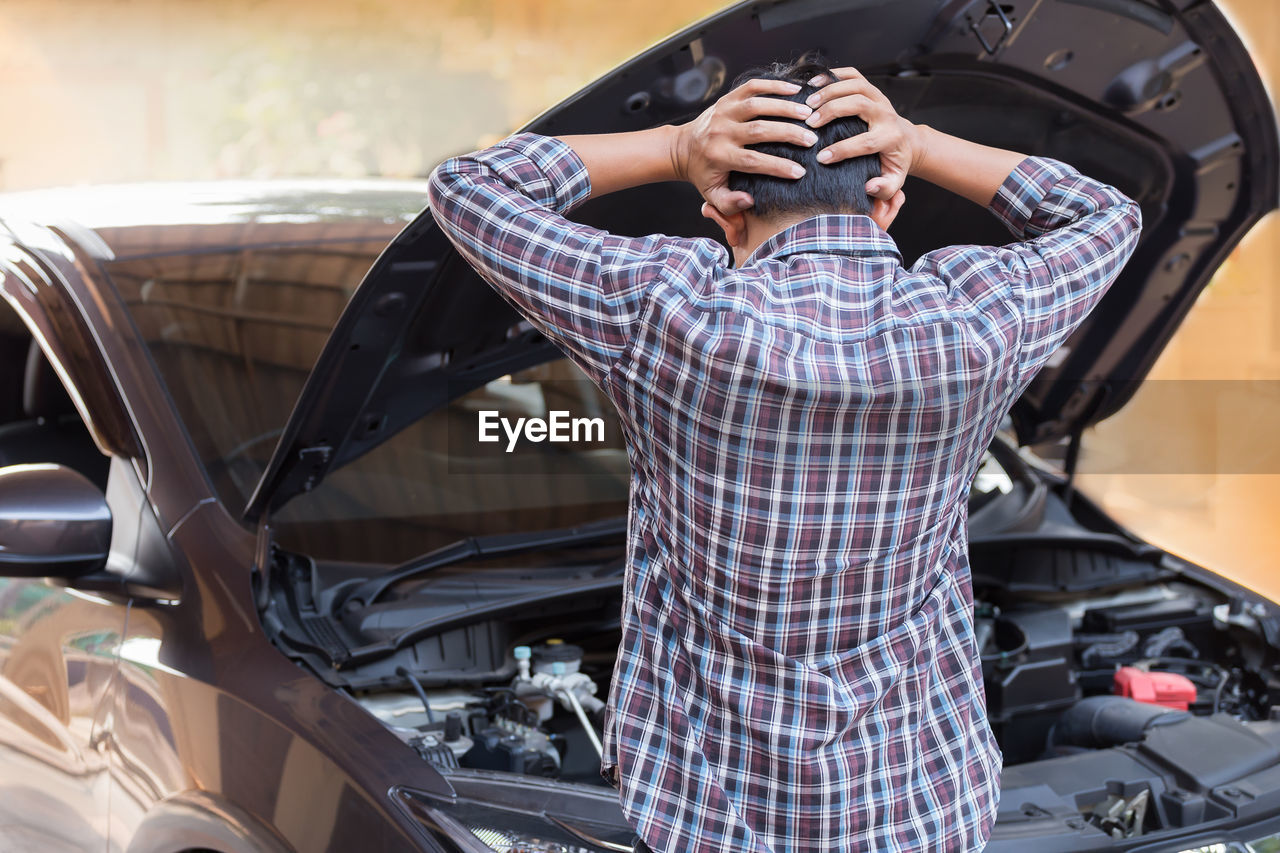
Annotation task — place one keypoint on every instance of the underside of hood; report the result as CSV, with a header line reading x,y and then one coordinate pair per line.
x,y
1159,99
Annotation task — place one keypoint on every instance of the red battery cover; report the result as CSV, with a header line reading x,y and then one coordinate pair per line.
x,y
1155,688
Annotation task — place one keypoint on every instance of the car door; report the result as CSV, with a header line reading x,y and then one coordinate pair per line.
x,y
58,647
57,665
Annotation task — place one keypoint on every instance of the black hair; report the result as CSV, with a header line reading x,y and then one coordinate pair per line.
x,y
835,188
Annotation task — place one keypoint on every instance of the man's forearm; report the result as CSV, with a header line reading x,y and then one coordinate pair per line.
x,y
616,161
968,169
704,151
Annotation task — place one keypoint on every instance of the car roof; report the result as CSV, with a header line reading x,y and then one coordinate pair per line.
x,y
124,221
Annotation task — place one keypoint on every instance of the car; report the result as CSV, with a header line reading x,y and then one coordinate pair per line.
x,y
264,587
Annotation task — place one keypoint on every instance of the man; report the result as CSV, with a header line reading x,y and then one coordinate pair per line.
x,y
798,668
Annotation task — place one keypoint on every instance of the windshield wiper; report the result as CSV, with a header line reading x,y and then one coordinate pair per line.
x,y
369,591
592,586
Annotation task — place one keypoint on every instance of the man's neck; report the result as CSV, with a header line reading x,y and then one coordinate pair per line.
x,y
759,230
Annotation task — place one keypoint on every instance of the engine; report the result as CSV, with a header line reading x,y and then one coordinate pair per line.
x,y
1166,645
527,725
1163,645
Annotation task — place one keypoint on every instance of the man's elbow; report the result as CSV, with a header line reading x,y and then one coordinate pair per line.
x,y
1132,223
443,185
1119,222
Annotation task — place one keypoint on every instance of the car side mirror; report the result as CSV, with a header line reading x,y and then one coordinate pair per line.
x,y
53,523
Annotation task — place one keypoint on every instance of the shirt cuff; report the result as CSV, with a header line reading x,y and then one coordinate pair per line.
x,y
547,170
1019,197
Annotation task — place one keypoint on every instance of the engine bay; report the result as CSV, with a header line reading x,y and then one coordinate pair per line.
x,y
1121,689
1040,661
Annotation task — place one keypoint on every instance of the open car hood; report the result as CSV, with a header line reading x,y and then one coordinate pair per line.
x,y
1157,97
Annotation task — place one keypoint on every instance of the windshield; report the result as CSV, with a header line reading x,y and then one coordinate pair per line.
x,y
234,333
437,481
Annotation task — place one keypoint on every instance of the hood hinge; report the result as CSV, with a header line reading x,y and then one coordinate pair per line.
x,y
993,10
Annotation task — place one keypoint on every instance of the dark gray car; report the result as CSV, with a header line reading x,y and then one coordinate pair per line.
x,y
264,589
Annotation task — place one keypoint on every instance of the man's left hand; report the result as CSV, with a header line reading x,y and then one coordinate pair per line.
x,y
707,149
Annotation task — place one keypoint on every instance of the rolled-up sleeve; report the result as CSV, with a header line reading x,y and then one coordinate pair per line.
x,y
504,209
1076,235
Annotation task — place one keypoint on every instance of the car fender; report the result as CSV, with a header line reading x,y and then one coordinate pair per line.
x,y
197,819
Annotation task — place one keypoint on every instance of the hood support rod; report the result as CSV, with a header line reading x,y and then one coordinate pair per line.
x,y
1069,463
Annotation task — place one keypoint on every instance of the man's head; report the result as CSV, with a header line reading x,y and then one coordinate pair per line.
x,y
837,188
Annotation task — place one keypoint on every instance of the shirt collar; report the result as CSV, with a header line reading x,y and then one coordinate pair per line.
x,y
830,234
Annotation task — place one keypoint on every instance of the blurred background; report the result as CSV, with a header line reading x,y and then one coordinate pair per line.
x,y
103,91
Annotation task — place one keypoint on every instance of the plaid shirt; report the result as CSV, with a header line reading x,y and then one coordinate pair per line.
x,y
798,668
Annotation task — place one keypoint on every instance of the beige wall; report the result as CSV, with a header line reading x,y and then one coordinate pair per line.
x,y
125,90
